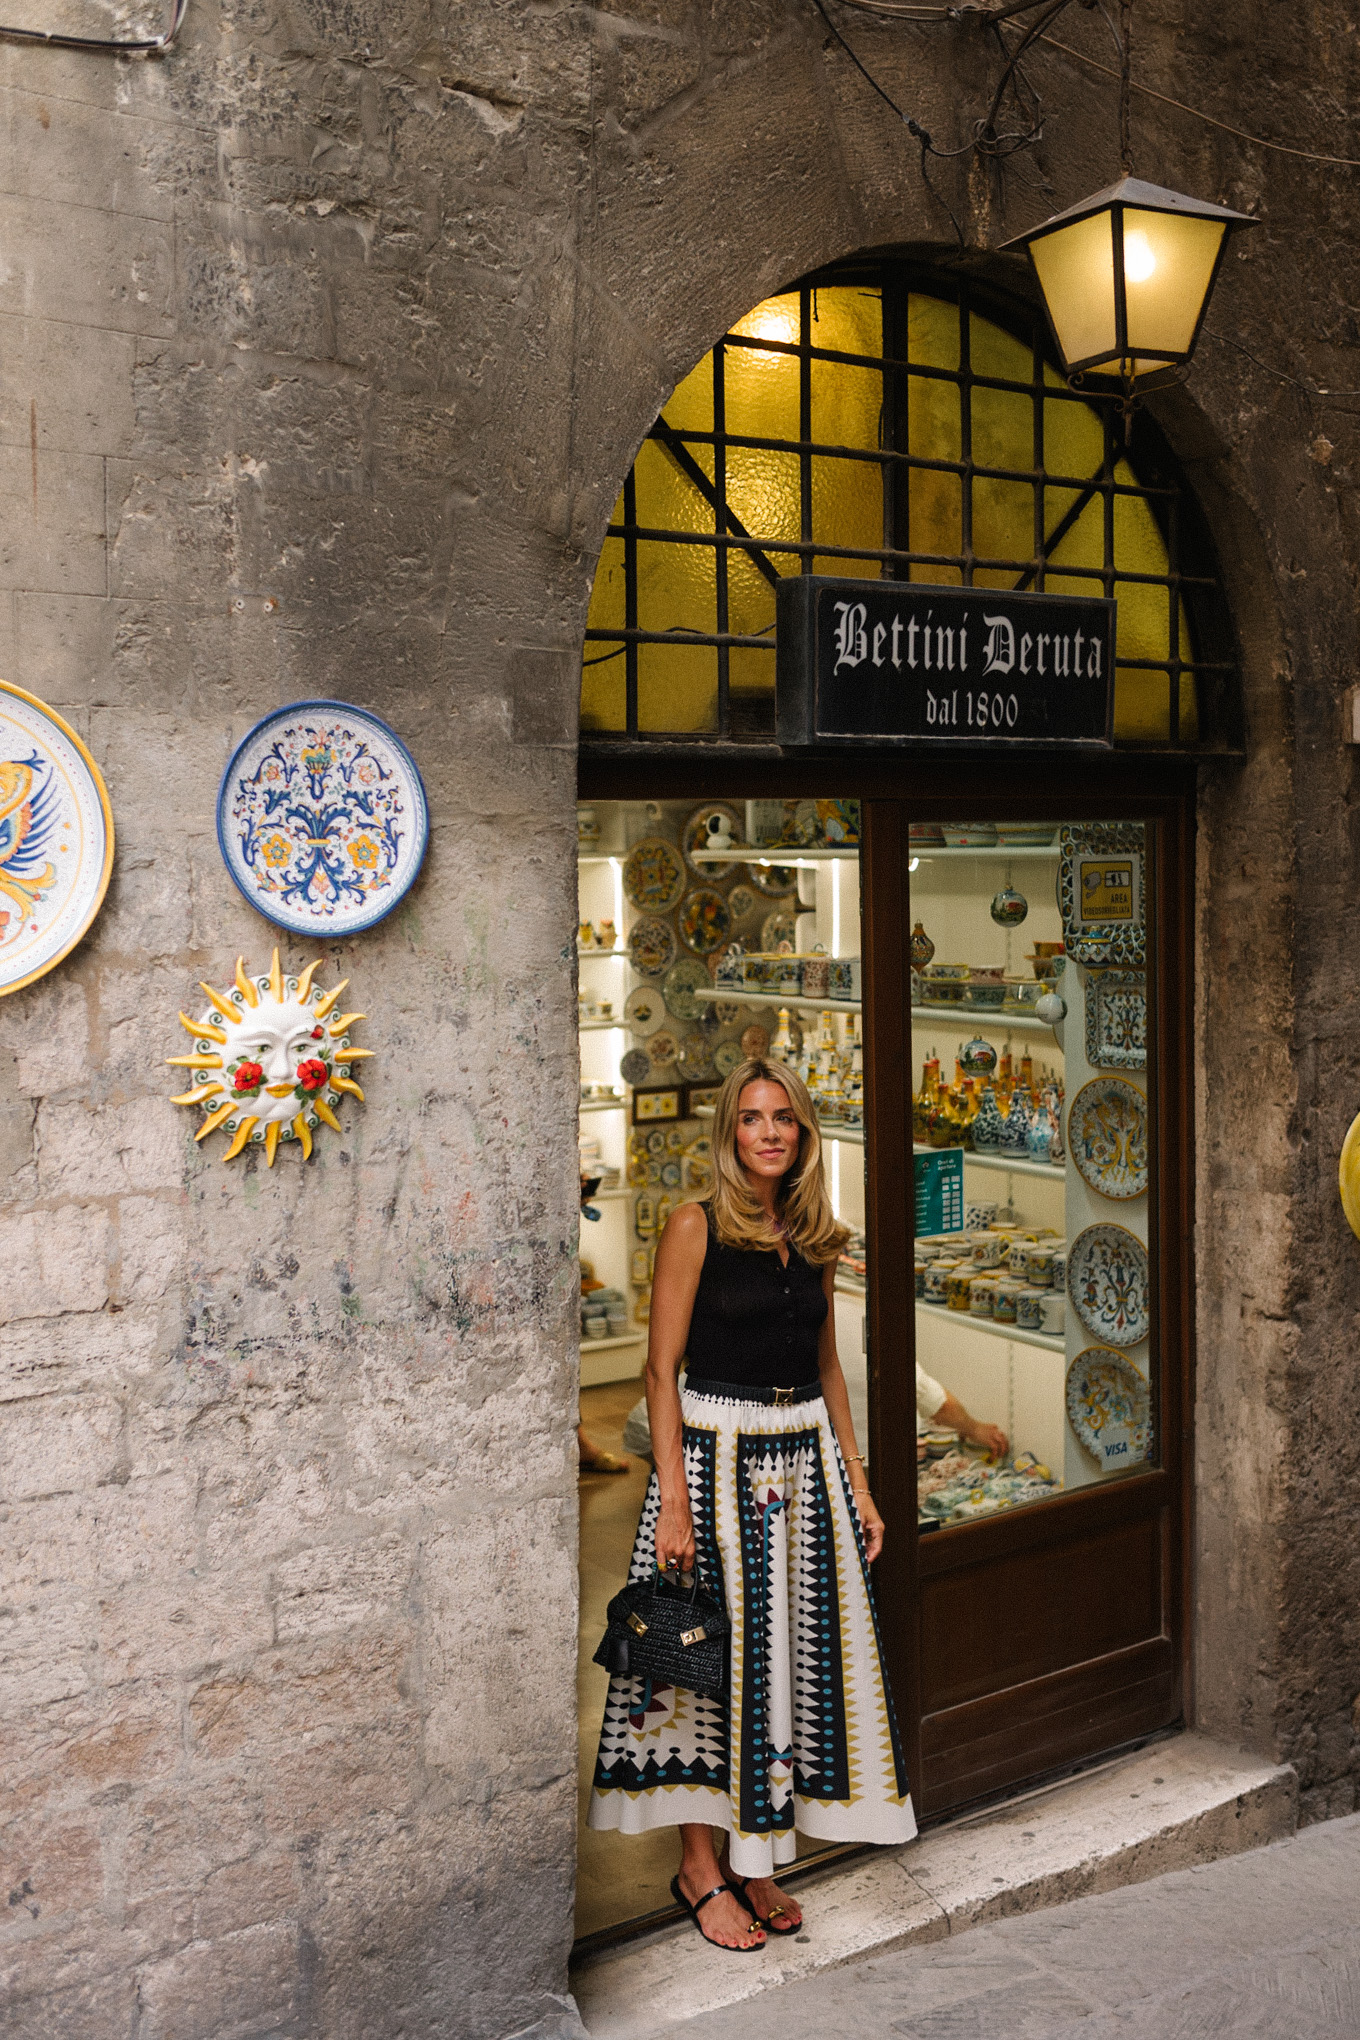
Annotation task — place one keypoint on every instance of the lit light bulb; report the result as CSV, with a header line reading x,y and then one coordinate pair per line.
x,y
1139,260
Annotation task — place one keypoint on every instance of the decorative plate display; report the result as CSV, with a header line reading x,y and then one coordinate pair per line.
x,y
644,1009
774,880
1116,1019
1109,1407
654,875
695,1058
662,1048
56,838
636,1066
651,947
1107,1280
321,818
1107,1137
704,920
697,830
780,926
741,901
1100,892
755,1040
682,980
726,1056
725,1011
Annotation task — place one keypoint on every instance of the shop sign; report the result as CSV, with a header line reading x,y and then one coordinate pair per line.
x,y
900,662
939,1191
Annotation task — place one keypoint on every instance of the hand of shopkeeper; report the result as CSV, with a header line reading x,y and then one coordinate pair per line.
x,y
990,1437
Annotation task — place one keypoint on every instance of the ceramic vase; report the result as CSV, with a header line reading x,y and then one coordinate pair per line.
x,y
922,948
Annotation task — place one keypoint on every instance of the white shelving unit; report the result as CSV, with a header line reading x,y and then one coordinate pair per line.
x,y
1052,1172
1025,853
604,1105
744,996
989,1325
978,1017
602,1026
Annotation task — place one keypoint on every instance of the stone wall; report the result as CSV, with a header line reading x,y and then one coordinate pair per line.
x,y
365,309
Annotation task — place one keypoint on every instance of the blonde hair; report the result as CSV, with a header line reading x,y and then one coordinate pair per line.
x,y
739,1218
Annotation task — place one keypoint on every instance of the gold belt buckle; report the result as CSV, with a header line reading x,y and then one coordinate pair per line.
x,y
782,1398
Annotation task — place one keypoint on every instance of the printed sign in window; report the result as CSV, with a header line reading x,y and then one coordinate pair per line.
x,y
1107,889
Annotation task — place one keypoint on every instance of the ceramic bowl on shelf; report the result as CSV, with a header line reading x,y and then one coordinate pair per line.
x,y
969,835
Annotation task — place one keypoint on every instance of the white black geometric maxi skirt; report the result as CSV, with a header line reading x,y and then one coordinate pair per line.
x,y
806,1739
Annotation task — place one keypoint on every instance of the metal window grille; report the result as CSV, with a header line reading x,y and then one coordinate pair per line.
x,y
1190,583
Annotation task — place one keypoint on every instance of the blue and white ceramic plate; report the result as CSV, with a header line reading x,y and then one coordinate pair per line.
x,y
1107,1280
322,818
1109,1407
1107,1137
56,838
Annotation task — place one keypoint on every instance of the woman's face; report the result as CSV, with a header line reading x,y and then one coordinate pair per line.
x,y
767,1132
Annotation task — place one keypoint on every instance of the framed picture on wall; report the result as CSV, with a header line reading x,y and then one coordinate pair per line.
x,y
649,1106
700,1094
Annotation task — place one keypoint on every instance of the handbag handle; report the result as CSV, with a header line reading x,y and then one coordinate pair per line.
x,y
658,1576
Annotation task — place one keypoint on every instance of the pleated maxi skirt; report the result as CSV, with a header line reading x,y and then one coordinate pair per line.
x,y
806,1738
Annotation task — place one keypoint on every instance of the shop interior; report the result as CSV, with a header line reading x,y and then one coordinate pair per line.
x,y
707,932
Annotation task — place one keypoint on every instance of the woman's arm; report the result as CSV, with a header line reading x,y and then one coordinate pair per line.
x,y
675,1282
837,1400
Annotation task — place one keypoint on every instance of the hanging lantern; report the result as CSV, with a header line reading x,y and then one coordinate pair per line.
x,y
1126,277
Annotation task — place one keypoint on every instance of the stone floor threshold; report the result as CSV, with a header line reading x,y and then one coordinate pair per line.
x,y
1177,1803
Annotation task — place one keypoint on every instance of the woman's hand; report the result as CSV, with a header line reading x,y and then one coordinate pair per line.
x,y
870,1522
675,1535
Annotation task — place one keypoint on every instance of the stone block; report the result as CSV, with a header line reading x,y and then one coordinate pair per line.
x,y
256,1982
45,1652
264,1886
97,1349
61,150
68,387
116,273
102,2009
182,1831
52,1048
287,1697
339,1586
59,1445
59,1262
150,1247
53,519
108,1152
174,1626
51,1866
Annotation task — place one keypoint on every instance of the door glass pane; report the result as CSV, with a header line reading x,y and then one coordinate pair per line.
x,y
1035,1314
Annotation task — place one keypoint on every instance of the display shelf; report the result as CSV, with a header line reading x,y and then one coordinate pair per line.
x,y
600,856
633,1338
1055,1172
849,1136
604,1105
990,1326
845,1287
595,952
1029,853
788,856
742,996
602,1026
978,1016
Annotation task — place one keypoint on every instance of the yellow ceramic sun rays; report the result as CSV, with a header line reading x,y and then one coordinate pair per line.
x,y
270,1061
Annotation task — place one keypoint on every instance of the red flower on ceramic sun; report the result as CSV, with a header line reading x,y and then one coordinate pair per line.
x,y
312,1075
249,1076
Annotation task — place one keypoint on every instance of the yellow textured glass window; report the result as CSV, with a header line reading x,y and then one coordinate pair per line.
x,y
1007,486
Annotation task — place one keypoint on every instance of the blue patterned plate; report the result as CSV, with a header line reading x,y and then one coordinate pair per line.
x,y
322,818
1107,1280
1109,1407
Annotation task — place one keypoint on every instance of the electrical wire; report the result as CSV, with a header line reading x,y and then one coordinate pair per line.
x,y
145,46
912,126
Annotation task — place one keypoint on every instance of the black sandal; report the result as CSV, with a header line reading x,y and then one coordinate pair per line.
x,y
751,1948
737,1886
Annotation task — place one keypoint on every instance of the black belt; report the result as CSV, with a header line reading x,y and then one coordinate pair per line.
x,y
739,1391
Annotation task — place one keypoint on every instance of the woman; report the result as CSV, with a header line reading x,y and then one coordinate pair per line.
x,y
759,1478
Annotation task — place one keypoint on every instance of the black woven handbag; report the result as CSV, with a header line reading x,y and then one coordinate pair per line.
x,y
669,1635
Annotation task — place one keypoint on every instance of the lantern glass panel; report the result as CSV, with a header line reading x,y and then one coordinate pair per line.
x,y
1075,266
1168,267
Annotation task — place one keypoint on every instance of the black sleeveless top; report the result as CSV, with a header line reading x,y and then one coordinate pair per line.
x,y
755,1322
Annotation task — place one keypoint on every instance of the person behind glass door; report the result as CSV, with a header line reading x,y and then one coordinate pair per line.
x,y
758,1480
935,1406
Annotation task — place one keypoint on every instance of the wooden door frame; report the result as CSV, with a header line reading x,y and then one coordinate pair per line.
x,y
1060,785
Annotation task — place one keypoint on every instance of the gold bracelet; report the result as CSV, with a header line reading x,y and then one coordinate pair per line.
x,y
860,1490
851,1457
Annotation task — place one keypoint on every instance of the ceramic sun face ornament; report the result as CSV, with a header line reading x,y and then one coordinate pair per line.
x,y
271,1060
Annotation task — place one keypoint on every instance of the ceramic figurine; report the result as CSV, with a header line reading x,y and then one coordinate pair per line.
x,y
273,1050
988,1126
719,831
1016,1126
585,936
605,935
922,948
1009,907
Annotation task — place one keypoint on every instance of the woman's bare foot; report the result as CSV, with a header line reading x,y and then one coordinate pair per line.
x,y
767,1901
725,1919
594,1458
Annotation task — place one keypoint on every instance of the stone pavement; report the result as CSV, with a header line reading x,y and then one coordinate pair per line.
x,y
1261,1946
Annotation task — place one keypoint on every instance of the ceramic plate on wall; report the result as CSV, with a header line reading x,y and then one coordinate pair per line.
x,y
653,875
1107,1280
777,927
56,838
704,921
695,834
651,947
662,1048
636,1066
644,1009
682,979
741,901
1107,1137
774,880
726,1056
1109,1407
322,819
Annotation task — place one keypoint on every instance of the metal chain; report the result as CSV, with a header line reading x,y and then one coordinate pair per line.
x,y
1125,44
